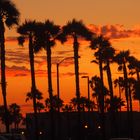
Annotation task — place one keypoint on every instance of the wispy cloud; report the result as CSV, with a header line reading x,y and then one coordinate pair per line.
x,y
72,73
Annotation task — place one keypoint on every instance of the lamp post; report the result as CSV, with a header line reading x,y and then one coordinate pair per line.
x,y
58,94
57,68
87,77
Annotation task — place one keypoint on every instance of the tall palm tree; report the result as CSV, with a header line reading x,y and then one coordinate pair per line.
x,y
75,29
46,38
27,31
134,67
108,56
122,58
98,45
9,16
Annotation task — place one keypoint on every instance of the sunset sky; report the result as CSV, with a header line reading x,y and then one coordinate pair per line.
x,y
117,19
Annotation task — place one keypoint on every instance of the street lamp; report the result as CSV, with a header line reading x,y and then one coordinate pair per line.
x,y
87,77
57,68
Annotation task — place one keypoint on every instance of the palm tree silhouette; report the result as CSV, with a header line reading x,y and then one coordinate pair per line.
x,y
9,16
134,67
98,44
117,104
27,31
16,115
122,58
29,96
40,106
108,56
75,29
97,91
55,102
136,93
46,38
120,83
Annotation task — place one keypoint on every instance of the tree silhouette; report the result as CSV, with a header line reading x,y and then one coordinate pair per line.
x,y
9,16
55,103
16,115
46,38
120,83
122,58
98,45
40,106
96,87
29,95
117,104
27,31
75,29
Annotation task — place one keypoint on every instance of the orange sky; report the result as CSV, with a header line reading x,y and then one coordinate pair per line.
x,y
116,19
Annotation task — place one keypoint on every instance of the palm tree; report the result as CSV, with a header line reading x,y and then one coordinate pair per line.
x,y
120,83
108,56
136,93
46,38
9,16
16,115
117,103
98,44
40,106
67,108
27,31
2,115
75,29
55,102
134,66
122,58
29,95
97,91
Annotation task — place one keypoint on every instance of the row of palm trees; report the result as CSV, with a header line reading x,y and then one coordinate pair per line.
x,y
43,35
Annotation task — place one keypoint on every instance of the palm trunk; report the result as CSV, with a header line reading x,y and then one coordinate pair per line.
x,y
138,76
101,100
139,105
75,47
33,88
126,95
3,75
109,76
112,115
131,112
50,92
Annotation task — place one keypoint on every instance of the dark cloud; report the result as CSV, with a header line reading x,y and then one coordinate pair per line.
x,y
114,31
17,68
17,57
72,74
20,75
64,52
11,38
